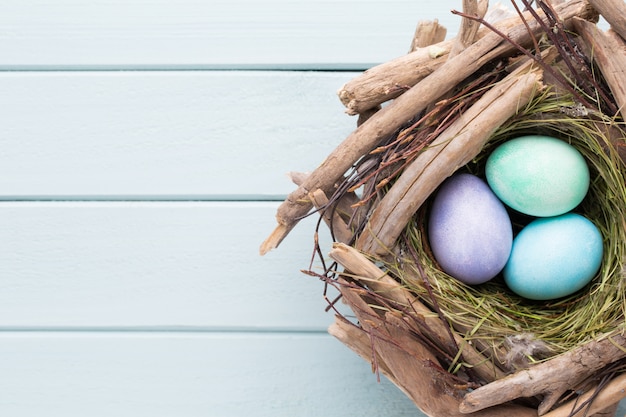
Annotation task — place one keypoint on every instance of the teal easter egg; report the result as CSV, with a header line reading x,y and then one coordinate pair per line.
x,y
554,257
538,175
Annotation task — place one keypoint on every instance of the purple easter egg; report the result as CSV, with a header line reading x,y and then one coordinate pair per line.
x,y
469,230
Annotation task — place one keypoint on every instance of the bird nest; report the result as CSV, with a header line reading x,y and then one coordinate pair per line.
x,y
454,348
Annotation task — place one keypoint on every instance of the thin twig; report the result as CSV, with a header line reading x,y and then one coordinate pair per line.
x,y
535,58
559,36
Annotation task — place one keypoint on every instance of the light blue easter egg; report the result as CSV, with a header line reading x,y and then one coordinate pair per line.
x,y
469,229
538,175
553,257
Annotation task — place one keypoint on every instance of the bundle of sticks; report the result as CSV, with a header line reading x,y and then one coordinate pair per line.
x,y
387,99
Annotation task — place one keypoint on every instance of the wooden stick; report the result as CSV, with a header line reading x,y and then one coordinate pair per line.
x,y
611,394
394,362
607,412
614,11
404,365
334,217
455,147
427,32
366,114
381,283
400,111
468,32
408,364
392,78
608,50
551,378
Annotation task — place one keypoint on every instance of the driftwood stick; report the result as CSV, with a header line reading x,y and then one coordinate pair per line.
x,y
370,275
614,11
389,119
427,32
366,114
386,81
607,412
344,204
608,50
428,396
412,359
392,78
454,147
337,216
611,394
468,32
551,378
380,282
406,362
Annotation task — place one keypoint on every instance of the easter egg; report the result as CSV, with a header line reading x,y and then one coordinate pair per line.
x,y
538,175
469,229
553,257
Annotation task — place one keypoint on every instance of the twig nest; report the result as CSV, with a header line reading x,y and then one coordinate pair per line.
x,y
469,335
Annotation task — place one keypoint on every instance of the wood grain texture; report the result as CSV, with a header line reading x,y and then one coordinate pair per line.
x,y
305,34
154,265
165,135
183,375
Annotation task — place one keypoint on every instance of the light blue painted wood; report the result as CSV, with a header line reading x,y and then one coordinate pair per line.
x,y
165,135
155,265
210,34
189,375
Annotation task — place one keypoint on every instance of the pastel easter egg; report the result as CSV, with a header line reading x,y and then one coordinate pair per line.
x,y
469,229
554,257
538,175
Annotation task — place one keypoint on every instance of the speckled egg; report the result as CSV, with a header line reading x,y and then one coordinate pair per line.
x,y
538,175
554,257
470,232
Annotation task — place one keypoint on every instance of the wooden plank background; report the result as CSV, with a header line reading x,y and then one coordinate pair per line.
x,y
144,150
199,34
165,134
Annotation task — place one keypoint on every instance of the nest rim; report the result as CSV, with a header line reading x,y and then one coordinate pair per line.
x,y
593,312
